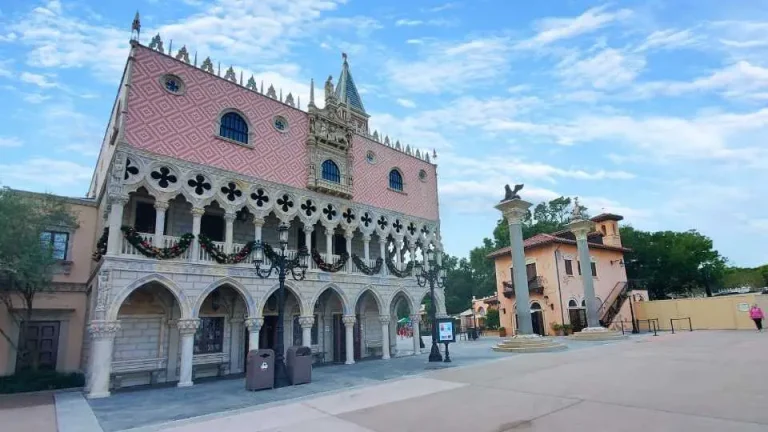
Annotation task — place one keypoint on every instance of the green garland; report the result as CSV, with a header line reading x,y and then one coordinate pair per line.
x,y
224,258
364,268
330,268
399,273
147,249
101,245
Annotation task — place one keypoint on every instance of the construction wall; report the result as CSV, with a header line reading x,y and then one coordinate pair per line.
x,y
713,313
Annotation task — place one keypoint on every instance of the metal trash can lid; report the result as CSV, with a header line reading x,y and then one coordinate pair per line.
x,y
303,351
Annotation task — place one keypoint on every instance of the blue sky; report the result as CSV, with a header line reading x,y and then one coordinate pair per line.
x,y
655,110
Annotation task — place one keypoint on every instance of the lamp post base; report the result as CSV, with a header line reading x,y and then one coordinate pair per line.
x,y
281,374
434,353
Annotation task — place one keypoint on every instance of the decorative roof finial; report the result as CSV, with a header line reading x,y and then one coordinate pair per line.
x,y
251,84
510,194
434,154
311,93
170,47
262,87
344,57
183,55
298,102
195,64
136,27
271,92
156,43
229,74
281,95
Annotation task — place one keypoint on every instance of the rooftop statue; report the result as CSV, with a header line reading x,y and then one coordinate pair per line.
x,y
510,194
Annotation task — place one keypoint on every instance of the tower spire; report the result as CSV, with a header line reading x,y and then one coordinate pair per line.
x,y
346,90
311,93
136,27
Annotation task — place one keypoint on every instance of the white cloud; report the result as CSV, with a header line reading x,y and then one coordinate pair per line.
x,y
35,98
415,41
51,174
609,68
451,67
5,69
741,80
442,7
406,103
10,142
408,22
37,79
551,30
669,39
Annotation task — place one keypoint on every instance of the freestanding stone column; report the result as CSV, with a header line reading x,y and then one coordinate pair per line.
x,y
514,210
160,209
306,323
349,326
415,320
187,329
580,228
384,320
102,340
115,237
254,327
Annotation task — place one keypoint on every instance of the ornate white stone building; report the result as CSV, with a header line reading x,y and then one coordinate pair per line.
x,y
196,166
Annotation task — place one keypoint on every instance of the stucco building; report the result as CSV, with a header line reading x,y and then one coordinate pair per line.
x,y
555,280
196,165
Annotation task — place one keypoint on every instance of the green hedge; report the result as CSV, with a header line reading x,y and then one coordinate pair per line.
x,y
40,380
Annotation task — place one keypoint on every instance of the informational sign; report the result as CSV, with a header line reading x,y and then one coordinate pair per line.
x,y
445,330
264,366
743,307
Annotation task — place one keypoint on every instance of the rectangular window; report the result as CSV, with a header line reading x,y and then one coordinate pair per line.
x,y
530,270
144,221
594,269
57,242
569,267
209,337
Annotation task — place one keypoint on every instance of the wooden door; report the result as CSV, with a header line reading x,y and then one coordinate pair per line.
x,y
537,322
578,319
42,338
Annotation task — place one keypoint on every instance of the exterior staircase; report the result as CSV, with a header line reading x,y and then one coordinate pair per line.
x,y
613,304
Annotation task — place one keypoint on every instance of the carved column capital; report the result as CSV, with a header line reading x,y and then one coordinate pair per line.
x,y
161,205
385,319
254,324
580,228
119,199
102,329
349,320
514,210
198,211
187,326
230,217
306,321
366,237
258,221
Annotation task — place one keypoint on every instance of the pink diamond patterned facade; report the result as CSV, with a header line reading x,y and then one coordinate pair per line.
x,y
185,127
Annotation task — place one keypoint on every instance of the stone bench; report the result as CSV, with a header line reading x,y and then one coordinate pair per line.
x,y
121,368
218,360
374,346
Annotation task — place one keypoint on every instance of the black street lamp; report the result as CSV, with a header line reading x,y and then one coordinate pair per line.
x,y
433,274
282,264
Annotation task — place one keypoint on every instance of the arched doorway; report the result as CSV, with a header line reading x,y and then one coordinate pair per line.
x,y
402,327
329,312
146,348
577,315
221,342
268,331
537,319
368,327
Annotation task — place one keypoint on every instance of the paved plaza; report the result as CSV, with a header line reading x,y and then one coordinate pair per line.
x,y
702,381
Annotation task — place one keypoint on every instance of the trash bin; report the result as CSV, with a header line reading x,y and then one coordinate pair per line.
x,y
261,370
299,364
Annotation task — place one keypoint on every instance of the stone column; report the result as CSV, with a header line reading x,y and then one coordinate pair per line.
x,y
197,214
383,253
229,218
160,208
235,344
187,329
384,320
349,326
254,327
102,340
348,236
115,222
515,210
398,252
306,323
415,320
367,248
329,244
580,228
258,223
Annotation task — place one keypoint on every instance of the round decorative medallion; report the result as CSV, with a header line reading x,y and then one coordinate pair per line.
x,y
280,123
370,157
172,84
422,175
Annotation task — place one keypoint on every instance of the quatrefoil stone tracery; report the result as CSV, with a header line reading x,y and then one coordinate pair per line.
x,y
164,177
382,223
259,197
285,203
412,228
366,219
348,215
397,226
199,184
231,191
329,212
130,169
309,208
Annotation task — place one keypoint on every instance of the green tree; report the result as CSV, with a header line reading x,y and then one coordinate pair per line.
x,y
736,277
672,263
547,217
492,319
27,265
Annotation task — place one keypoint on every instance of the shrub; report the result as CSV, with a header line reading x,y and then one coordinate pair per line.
x,y
502,332
28,381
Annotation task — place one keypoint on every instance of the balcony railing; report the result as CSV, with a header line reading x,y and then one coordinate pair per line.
x,y
205,257
535,286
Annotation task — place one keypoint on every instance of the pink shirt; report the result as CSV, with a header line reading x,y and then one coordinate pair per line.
x,y
756,313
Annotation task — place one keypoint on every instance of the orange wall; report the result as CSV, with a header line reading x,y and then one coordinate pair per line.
x,y
608,275
82,245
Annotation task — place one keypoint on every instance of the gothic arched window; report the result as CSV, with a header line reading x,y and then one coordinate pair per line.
x,y
331,171
396,180
234,127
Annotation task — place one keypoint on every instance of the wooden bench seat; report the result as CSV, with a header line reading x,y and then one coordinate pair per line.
x,y
374,346
218,360
122,368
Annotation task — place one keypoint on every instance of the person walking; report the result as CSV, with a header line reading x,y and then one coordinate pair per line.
x,y
757,316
